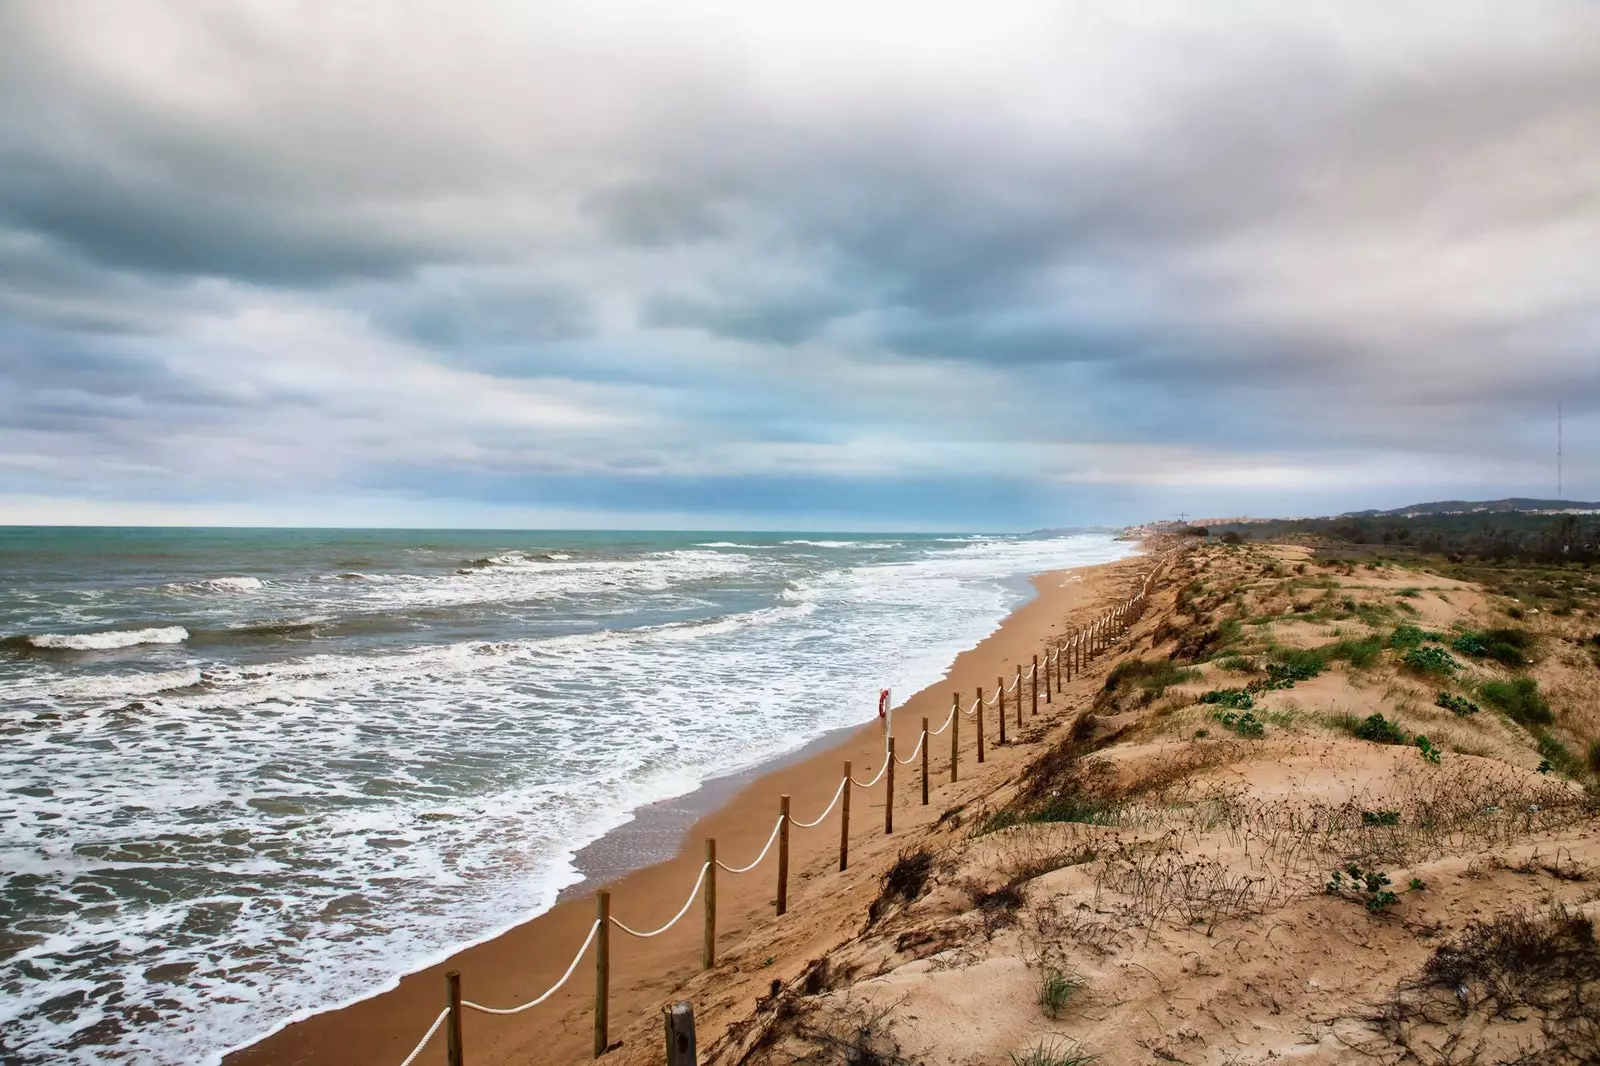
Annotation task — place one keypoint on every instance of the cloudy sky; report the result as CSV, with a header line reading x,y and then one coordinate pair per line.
x,y
864,265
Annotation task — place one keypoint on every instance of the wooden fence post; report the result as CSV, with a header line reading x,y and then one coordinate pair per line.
x,y
955,739
926,740
602,973
680,1034
452,1032
708,952
783,853
681,1049
888,790
980,724
1000,705
844,822
1019,700
1036,680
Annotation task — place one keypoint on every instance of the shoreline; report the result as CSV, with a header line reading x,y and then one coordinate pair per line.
x,y
650,861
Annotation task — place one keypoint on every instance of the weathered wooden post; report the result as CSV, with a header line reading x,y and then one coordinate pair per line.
x,y
708,950
926,741
783,853
955,738
980,724
844,821
1036,681
681,1049
1000,705
602,973
888,790
1019,700
452,1026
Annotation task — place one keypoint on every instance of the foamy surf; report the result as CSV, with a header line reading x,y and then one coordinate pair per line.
x,y
108,640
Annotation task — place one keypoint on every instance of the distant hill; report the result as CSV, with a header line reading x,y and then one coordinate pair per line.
x,y
1515,503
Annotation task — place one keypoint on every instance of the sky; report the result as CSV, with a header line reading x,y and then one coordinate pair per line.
x,y
834,266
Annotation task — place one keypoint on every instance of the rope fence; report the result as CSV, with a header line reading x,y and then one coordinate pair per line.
x,y
1061,658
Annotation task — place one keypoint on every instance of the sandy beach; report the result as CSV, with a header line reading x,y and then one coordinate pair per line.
x,y
739,813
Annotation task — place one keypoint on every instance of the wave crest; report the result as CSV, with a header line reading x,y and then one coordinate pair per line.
x,y
111,638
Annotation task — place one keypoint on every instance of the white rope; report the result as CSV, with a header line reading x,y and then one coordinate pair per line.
x,y
593,929
974,707
693,892
881,769
947,721
907,760
991,703
757,862
1031,671
826,811
1013,686
434,1028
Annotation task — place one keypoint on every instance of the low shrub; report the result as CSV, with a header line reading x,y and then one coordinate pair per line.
x,y
1384,817
904,881
1245,724
1237,698
1378,729
1406,636
1520,699
1458,704
1153,675
1469,643
1061,1050
1559,756
1358,653
1429,661
1369,887
1428,751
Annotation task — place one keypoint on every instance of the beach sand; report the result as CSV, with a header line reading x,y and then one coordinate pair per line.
x,y
739,813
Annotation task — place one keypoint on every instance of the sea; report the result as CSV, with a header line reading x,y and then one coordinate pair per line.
x,y
248,775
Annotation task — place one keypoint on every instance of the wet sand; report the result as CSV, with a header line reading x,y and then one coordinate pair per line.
x,y
739,812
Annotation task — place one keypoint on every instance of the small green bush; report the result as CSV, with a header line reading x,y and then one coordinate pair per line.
x,y
1458,704
1380,730
1406,636
1237,698
1559,756
1428,751
1358,653
1384,817
1370,887
1247,725
1429,661
1154,676
1520,699
1469,644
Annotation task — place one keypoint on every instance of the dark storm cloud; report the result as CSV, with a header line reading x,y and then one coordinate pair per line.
x,y
1250,245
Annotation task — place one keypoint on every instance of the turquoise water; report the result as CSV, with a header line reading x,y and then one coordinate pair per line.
x,y
252,774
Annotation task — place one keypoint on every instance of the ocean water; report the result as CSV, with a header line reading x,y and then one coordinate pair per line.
x,y
248,775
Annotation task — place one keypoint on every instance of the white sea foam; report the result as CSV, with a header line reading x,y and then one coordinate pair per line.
x,y
219,584
114,638
122,686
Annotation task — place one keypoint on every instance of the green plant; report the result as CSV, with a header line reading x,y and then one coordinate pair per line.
x,y
1418,885
1410,593
1469,643
1378,729
1236,698
1201,734
1056,1051
1593,757
1245,724
1384,817
1558,755
1519,698
1429,661
1458,704
1544,766
1055,988
1429,752
1370,887
1406,635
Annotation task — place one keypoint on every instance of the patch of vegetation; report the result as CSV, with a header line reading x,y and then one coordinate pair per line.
x,y
1428,751
1460,705
1378,729
1429,661
1406,635
1237,698
1246,725
1520,699
1507,646
903,882
1368,887
1360,653
1559,756
1058,1050
1539,968
1239,664
1056,987
1151,676
1383,817
1410,593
